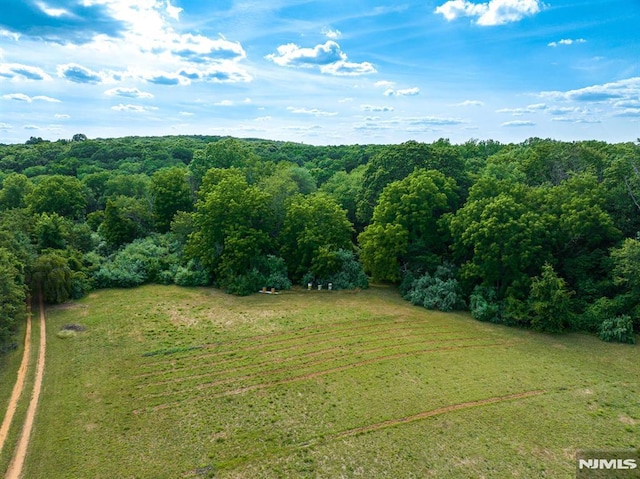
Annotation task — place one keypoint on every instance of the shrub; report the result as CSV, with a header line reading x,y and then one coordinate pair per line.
x,y
440,291
618,329
483,304
192,275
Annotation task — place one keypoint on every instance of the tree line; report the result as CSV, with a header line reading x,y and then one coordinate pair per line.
x,y
541,234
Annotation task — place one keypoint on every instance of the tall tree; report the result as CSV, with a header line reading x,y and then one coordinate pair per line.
x,y
406,228
231,223
313,222
59,194
171,194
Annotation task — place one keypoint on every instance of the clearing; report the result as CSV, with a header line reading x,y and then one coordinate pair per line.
x,y
171,382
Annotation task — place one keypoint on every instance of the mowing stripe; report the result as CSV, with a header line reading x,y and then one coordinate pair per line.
x,y
304,377
287,338
304,364
436,412
20,380
15,467
207,365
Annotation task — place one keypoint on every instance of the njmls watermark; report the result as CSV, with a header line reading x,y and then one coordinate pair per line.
x,y
608,464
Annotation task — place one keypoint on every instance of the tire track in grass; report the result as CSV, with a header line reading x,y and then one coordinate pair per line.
x,y
316,374
273,352
20,380
16,464
436,412
269,372
296,337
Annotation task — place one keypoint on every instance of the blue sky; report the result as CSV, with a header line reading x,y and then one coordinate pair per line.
x,y
321,72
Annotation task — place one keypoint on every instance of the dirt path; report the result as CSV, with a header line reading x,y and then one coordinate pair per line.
x,y
15,467
19,386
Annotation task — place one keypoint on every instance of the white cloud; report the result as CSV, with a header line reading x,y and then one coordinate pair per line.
x,y
470,103
376,108
405,92
53,12
566,41
313,111
224,103
328,56
618,91
384,84
495,12
78,74
61,116
5,126
20,72
128,93
331,33
518,123
28,99
133,108
343,68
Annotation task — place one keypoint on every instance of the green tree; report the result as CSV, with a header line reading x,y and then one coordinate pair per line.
x,y
226,153
15,189
550,302
502,240
407,230
398,161
12,292
231,223
59,194
171,194
125,219
313,222
53,276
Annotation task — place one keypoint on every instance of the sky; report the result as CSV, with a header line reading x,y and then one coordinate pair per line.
x,y
321,72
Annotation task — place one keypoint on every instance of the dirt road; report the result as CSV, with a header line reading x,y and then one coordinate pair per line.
x,y
15,467
19,386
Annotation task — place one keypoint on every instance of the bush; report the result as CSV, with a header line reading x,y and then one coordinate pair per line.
x,y
440,291
192,275
618,329
483,304
152,259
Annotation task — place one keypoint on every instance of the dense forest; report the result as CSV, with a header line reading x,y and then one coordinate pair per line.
x,y
543,234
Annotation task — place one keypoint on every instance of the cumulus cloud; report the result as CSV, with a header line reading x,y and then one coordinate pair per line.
x,y
405,92
328,56
200,49
495,12
17,71
5,127
618,91
79,74
566,41
28,99
331,33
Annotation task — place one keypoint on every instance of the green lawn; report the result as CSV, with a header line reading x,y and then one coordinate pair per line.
x,y
171,382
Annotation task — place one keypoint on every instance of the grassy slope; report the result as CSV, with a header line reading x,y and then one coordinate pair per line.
x,y
281,386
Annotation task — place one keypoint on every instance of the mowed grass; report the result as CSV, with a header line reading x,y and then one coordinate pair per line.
x,y
170,382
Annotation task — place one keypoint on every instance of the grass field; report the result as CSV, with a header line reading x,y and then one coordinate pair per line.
x,y
170,382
